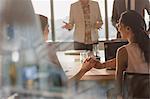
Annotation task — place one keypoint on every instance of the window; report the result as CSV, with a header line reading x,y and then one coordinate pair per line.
x,y
61,13
102,10
43,7
147,19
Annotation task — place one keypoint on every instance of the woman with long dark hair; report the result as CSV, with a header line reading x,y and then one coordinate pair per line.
x,y
133,57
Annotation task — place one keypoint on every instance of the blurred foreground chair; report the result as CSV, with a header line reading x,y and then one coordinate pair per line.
x,y
136,86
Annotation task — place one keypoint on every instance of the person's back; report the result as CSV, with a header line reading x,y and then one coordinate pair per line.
x,y
136,60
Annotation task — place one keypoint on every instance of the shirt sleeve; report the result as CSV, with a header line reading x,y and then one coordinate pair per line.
x,y
99,15
71,19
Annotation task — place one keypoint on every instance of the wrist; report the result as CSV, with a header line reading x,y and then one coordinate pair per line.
x,y
99,65
83,71
104,65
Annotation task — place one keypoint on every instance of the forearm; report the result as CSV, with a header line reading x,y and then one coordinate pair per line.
x,y
100,65
79,75
110,63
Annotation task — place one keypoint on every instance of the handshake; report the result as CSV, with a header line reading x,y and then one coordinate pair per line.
x,y
89,63
92,62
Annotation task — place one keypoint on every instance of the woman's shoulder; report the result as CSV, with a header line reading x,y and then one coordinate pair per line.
x,y
122,48
131,46
127,48
122,51
122,56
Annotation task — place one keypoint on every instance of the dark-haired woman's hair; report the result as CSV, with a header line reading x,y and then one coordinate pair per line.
x,y
138,27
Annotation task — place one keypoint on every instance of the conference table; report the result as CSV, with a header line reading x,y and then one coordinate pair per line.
x,y
71,64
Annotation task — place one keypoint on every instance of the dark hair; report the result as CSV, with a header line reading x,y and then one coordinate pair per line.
x,y
137,24
43,21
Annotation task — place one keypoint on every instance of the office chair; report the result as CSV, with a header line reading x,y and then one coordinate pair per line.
x,y
136,86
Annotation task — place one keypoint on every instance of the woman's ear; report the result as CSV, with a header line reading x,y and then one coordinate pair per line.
x,y
128,28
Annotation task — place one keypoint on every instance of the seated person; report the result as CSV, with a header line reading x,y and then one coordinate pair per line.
x,y
56,77
51,49
133,57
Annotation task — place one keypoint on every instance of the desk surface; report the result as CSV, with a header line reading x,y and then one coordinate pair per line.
x,y
71,65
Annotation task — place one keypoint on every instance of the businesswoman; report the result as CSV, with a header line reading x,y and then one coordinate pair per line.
x,y
86,18
133,57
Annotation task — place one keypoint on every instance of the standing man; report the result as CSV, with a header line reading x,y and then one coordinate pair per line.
x,y
120,6
86,17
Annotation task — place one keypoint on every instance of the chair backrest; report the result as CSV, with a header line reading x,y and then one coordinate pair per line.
x,y
136,86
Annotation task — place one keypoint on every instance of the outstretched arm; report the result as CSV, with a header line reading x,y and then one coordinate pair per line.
x,y
70,24
87,65
108,64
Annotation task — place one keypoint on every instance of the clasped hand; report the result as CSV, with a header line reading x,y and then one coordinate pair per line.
x,y
89,63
